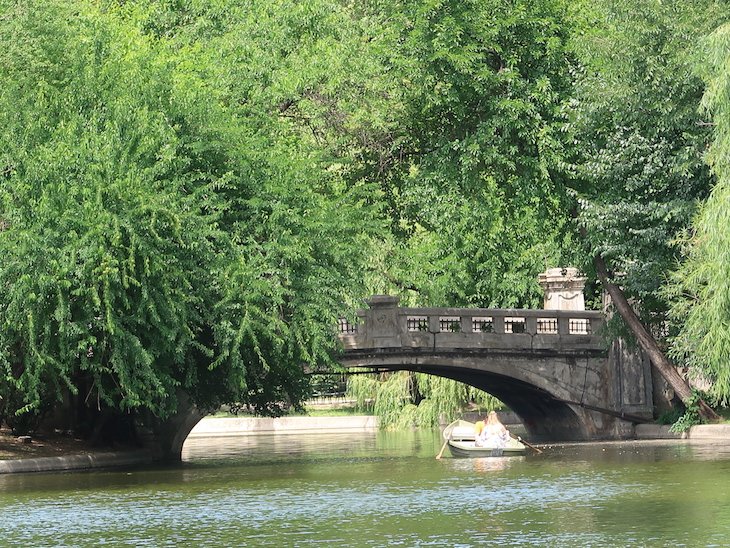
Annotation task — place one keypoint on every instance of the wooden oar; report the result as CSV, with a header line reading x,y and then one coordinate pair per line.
x,y
442,449
446,438
528,444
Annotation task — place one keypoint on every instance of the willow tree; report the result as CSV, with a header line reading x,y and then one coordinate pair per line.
x,y
701,286
161,234
407,400
107,249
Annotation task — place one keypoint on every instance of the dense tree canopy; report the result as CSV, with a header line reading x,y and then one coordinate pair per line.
x,y
157,233
641,138
191,192
190,188
471,174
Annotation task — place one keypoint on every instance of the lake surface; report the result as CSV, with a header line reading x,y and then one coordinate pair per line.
x,y
382,489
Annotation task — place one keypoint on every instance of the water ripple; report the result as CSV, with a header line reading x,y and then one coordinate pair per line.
x,y
360,493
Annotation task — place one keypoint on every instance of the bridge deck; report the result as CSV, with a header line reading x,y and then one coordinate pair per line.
x,y
444,328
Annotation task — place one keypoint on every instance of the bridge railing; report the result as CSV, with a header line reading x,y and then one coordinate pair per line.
x,y
501,321
387,325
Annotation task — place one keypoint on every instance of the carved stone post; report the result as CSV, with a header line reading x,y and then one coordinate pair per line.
x,y
381,322
563,289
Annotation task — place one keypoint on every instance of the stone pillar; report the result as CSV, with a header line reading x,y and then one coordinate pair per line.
x,y
165,438
381,322
563,289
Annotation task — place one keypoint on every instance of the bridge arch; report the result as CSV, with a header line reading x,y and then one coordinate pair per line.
x,y
552,368
545,416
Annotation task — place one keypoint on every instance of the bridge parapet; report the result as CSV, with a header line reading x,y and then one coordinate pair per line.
x,y
386,325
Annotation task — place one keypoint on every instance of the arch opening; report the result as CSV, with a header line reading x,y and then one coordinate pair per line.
x,y
544,416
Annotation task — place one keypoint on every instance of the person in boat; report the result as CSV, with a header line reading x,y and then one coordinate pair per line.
x,y
493,434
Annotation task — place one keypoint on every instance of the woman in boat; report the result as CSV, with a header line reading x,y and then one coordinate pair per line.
x,y
494,433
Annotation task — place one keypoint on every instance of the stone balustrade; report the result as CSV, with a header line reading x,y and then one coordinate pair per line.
x,y
386,325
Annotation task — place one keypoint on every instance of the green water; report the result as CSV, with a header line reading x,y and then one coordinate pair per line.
x,y
381,489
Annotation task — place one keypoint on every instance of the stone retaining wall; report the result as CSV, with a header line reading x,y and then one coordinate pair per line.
x,y
84,461
241,426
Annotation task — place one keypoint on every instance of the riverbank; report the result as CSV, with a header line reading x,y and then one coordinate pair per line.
x,y
23,447
19,454
56,452
60,453
699,432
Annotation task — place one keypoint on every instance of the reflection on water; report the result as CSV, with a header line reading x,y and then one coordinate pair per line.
x,y
277,447
382,489
485,464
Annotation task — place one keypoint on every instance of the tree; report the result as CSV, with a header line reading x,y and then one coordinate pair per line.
x,y
642,138
642,141
405,400
157,235
700,288
106,250
472,175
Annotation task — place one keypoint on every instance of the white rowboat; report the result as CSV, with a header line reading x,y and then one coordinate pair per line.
x,y
461,438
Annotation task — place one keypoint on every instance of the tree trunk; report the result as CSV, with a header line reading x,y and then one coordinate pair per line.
x,y
646,341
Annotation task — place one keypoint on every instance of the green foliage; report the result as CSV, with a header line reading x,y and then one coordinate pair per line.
x,y
453,109
446,400
469,175
364,389
691,416
406,400
671,416
496,133
192,192
160,231
393,396
109,242
328,385
640,137
701,286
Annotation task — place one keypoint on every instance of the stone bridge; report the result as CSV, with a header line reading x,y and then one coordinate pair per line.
x,y
553,368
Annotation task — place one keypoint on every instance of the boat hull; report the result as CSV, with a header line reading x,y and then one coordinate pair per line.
x,y
467,449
